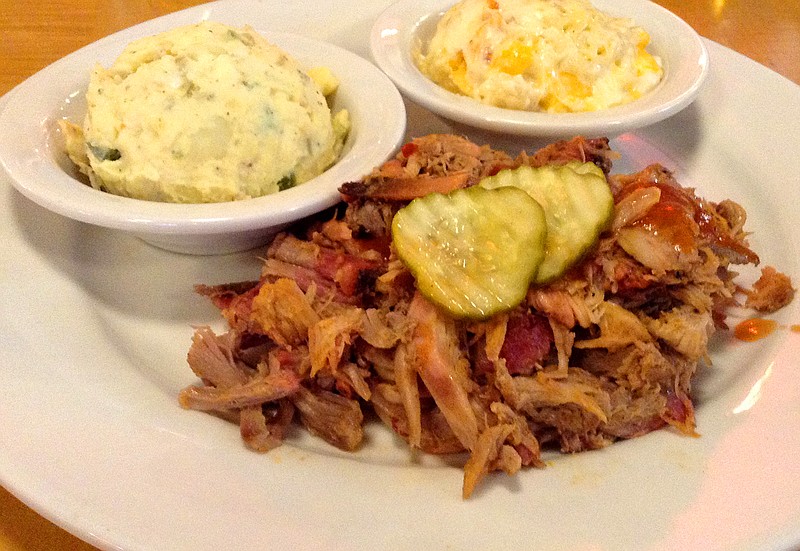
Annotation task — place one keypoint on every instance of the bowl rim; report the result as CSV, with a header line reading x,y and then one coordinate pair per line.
x,y
396,33
29,154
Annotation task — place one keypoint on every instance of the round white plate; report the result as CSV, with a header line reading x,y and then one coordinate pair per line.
x,y
96,325
408,25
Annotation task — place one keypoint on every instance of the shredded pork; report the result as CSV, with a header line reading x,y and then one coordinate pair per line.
x,y
334,326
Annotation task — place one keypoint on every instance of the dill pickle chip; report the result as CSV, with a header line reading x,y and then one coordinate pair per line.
x,y
473,251
577,202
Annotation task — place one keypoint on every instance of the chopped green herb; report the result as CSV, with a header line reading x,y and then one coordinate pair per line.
x,y
288,181
105,153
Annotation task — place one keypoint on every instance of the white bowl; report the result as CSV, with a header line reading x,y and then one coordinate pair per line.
x,y
32,152
410,24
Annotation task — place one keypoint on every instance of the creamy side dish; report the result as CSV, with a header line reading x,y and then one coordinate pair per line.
x,y
205,113
540,55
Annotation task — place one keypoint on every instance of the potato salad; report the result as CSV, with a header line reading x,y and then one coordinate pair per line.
x,y
205,113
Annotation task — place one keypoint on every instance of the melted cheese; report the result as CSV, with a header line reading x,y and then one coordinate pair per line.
x,y
540,55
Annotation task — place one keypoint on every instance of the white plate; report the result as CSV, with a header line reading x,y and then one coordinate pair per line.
x,y
96,325
408,25
34,155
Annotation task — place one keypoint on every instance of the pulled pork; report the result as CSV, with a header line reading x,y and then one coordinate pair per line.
x,y
607,352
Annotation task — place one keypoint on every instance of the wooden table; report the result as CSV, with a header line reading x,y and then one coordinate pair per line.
x,y
36,33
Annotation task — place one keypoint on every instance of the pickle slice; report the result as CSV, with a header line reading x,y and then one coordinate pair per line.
x,y
473,251
577,202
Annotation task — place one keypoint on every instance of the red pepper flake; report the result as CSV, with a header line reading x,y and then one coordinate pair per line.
x,y
409,149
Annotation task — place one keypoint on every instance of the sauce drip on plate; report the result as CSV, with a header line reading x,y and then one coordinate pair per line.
x,y
754,329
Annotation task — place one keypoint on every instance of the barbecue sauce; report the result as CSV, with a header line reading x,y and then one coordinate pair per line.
x,y
754,329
